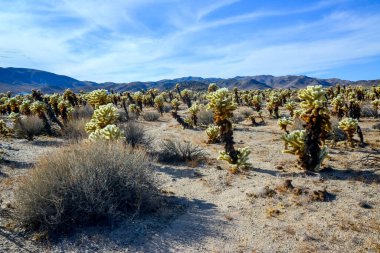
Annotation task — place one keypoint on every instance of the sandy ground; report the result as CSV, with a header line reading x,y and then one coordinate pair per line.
x,y
211,210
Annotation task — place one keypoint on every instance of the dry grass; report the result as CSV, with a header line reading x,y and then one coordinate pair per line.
x,y
205,117
180,151
135,135
74,130
151,116
84,184
29,127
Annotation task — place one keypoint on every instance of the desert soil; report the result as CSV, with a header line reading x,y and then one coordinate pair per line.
x,y
208,209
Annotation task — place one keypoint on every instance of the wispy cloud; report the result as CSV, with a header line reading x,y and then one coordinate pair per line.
x,y
149,40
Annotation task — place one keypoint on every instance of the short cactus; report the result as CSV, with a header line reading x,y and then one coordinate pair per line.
x,y
283,123
349,126
242,159
213,133
109,133
103,116
97,98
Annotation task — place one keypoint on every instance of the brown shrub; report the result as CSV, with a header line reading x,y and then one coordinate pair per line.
x,y
151,116
180,151
74,130
28,127
205,117
84,184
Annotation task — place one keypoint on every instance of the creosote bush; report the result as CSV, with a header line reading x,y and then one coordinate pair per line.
x,y
84,184
151,116
28,127
180,151
135,135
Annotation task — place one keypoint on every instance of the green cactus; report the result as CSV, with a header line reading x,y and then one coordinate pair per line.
x,y
316,116
97,98
109,133
103,116
212,132
25,107
223,105
135,109
212,87
159,103
291,106
349,126
4,130
283,123
175,103
193,110
242,159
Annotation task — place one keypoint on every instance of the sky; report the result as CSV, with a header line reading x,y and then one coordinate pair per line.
x,y
149,40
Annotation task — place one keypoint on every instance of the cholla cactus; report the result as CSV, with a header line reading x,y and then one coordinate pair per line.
x,y
295,144
222,104
242,159
175,103
213,133
376,104
4,130
186,97
283,123
317,122
109,133
349,126
39,108
25,108
135,109
291,106
257,102
338,106
103,116
159,104
97,98
273,104
138,97
193,110
212,87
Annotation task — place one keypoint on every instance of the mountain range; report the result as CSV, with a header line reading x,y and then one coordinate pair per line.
x,y
18,80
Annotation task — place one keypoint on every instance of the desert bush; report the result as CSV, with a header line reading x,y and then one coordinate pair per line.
x,y
75,130
167,107
246,112
376,126
84,184
205,117
180,151
28,127
336,133
135,135
151,116
368,111
237,118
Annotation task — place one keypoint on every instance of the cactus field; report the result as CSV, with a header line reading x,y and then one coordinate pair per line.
x,y
274,170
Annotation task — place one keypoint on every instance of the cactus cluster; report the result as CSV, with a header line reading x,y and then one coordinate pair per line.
x,y
102,125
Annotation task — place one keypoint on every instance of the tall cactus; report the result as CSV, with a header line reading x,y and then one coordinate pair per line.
x,y
317,123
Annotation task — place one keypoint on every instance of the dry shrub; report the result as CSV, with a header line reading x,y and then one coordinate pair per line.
x,y
83,112
151,116
85,184
368,111
135,135
336,133
237,118
29,127
74,130
180,151
167,107
205,117
246,112
376,126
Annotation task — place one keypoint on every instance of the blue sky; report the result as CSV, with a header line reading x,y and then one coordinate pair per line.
x,y
146,40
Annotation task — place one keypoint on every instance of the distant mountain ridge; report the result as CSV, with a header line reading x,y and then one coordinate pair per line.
x,y
19,80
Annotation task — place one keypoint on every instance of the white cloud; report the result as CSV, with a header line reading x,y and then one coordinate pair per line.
x,y
99,41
